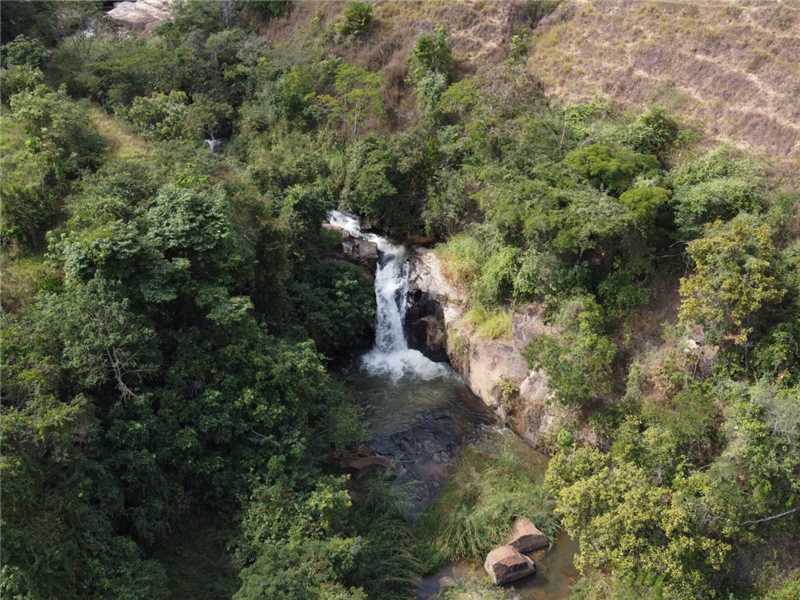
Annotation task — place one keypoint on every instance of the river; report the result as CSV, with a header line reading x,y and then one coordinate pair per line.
x,y
422,415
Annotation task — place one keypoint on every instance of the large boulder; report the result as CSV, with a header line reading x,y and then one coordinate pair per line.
x,y
360,251
504,565
141,14
525,537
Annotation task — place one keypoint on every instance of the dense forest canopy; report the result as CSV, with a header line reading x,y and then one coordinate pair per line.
x,y
172,320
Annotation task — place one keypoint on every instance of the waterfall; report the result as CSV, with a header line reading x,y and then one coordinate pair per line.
x,y
390,355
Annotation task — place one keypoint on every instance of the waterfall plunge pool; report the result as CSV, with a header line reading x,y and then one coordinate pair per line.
x,y
421,415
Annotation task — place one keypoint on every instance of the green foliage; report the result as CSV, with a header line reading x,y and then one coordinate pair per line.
x,y
653,132
24,51
48,141
335,304
626,524
711,200
645,203
160,116
431,54
609,168
578,361
734,279
481,501
450,205
788,590
463,257
19,79
356,19
489,324
32,19
357,98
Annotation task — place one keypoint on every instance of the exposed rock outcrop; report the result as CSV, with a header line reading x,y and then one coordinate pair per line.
x,y
504,565
525,537
141,15
353,250
495,370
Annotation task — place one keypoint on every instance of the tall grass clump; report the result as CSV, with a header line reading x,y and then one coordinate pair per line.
x,y
490,324
480,503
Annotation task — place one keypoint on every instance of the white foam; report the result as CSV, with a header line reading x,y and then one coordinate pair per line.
x,y
403,363
391,355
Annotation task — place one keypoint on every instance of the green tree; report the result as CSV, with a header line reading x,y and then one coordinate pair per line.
x,y
431,54
358,98
578,361
734,279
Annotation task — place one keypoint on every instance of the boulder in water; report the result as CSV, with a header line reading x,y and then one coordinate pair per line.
x,y
361,251
526,537
504,565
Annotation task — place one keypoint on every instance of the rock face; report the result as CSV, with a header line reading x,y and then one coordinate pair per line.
x,y
360,251
525,537
495,370
355,250
504,565
142,15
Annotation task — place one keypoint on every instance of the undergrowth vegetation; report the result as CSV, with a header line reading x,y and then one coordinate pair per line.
x,y
486,493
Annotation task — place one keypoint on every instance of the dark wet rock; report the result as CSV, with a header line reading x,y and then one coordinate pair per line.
x,y
364,465
504,565
425,328
360,251
525,537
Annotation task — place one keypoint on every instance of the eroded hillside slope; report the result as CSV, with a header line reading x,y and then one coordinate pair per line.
x,y
732,66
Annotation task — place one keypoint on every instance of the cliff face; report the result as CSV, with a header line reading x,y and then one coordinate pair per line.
x,y
495,370
733,67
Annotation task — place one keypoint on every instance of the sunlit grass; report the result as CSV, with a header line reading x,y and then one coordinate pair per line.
x,y
122,143
490,324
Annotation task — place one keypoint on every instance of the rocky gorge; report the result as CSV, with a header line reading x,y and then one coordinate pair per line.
x,y
496,370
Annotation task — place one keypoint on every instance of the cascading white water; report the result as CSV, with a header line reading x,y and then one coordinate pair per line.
x,y
391,355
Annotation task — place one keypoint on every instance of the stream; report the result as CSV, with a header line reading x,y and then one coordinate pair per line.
x,y
421,414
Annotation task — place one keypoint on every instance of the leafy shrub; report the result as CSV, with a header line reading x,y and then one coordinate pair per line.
x,y
19,79
356,20
24,51
356,99
578,361
48,141
734,279
721,162
495,284
654,132
609,168
625,287
542,275
431,54
282,159
462,256
450,205
160,116
336,306
376,185
714,199
645,203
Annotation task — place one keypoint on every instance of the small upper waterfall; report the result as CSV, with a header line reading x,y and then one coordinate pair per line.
x,y
391,355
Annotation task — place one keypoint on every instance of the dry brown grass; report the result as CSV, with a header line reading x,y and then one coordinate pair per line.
x,y
734,67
